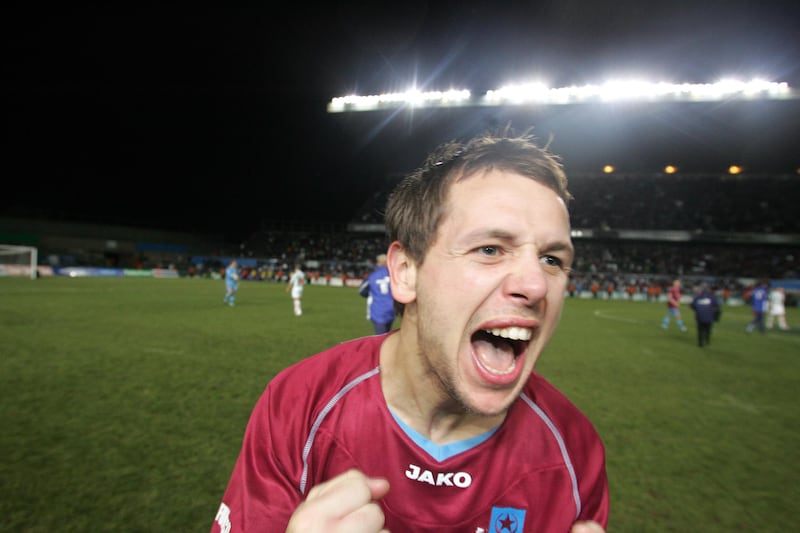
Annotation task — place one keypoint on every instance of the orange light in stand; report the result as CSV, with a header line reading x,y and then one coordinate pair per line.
x,y
734,169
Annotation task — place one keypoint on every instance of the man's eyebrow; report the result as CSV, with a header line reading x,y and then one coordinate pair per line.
x,y
560,246
486,236
489,233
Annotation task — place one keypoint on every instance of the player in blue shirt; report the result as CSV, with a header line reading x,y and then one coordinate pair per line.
x,y
759,301
231,282
380,304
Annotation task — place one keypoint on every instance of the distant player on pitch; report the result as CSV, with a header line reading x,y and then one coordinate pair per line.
x,y
376,288
674,307
297,281
231,282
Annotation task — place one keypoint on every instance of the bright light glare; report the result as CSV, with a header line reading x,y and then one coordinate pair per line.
x,y
539,93
411,98
636,90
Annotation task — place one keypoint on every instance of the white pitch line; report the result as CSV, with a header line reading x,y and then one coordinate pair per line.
x,y
600,314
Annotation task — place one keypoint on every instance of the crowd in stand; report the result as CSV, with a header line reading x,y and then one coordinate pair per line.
x,y
696,202
763,205
709,208
705,203
354,251
700,204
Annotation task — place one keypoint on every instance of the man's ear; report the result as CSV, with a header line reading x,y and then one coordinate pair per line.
x,y
402,273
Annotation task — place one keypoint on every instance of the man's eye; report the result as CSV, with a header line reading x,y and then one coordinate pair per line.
x,y
552,261
489,250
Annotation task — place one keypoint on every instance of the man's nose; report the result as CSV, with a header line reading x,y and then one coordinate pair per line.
x,y
526,280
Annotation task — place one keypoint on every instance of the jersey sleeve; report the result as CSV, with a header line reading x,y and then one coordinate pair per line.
x,y
262,492
593,484
586,451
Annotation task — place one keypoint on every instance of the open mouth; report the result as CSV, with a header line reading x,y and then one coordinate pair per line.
x,y
497,350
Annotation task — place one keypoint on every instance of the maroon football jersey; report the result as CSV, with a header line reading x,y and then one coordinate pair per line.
x,y
541,470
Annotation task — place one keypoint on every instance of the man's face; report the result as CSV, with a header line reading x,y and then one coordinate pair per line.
x,y
490,291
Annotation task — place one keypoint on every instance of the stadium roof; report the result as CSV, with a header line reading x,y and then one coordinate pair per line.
x,y
199,117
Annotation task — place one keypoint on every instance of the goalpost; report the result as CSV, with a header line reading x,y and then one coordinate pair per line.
x,y
18,260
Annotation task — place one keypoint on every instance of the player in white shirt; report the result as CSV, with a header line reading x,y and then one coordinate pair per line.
x,y
297,281
777,308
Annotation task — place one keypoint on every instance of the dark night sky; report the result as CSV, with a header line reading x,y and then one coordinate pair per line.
x,y
199,118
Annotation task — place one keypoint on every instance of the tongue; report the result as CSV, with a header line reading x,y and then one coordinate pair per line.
x,y
495,354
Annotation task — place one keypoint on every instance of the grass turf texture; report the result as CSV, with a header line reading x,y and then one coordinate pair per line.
x,y
123,402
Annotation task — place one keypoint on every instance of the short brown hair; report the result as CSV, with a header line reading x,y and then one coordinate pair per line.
x,y
415,207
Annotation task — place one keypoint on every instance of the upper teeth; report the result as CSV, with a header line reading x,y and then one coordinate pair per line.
x,y
514,333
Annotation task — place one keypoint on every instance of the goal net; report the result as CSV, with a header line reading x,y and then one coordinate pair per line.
x,y
18,260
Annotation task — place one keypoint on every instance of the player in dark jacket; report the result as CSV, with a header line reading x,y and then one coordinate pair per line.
x,y
706,311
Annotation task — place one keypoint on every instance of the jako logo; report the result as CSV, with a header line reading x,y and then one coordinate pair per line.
x,y
447,479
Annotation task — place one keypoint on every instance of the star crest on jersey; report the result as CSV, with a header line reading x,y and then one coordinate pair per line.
x,y
507,520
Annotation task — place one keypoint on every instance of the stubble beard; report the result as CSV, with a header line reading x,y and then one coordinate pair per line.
x,y
442,372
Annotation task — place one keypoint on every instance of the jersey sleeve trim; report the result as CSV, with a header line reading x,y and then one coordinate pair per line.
x,y
321,417
562,446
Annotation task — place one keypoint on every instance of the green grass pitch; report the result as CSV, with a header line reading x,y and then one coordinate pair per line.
x,y
123,402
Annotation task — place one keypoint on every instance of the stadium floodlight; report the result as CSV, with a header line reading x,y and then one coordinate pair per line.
x,y
540,94
411,98
641,91
18,260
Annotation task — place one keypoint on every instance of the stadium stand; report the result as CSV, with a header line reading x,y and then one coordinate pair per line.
x,y
643,227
